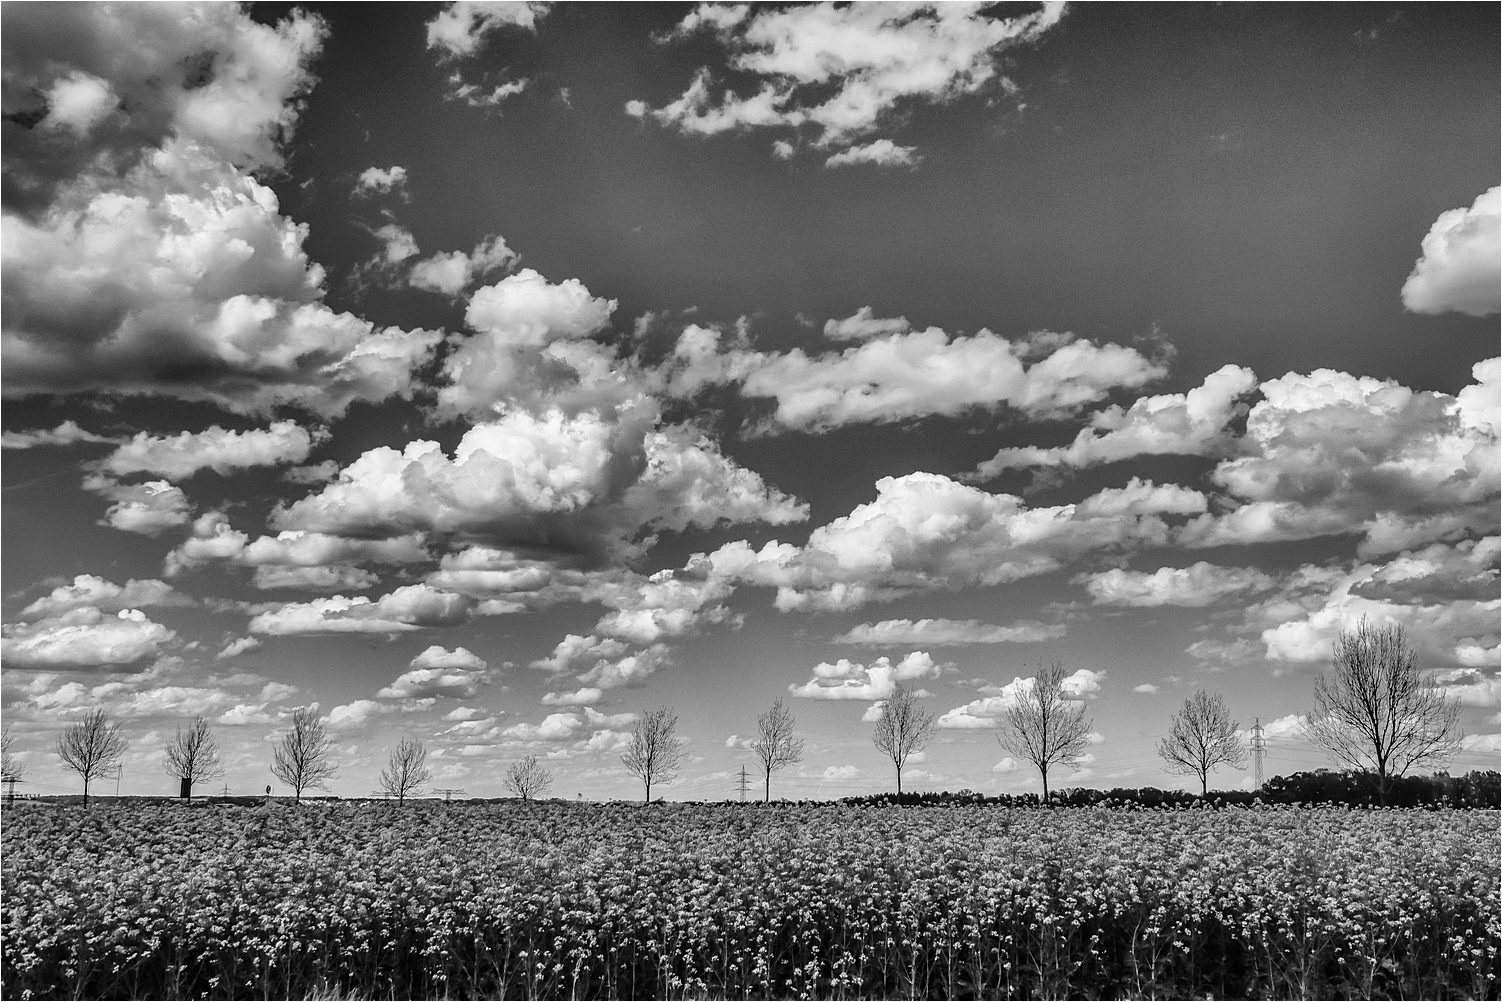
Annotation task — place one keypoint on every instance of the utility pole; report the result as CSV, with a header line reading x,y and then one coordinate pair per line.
x,y
226,789
1259,749
10,789
744,783
448,794
119,771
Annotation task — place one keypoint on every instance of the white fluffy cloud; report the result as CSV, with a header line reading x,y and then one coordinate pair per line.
x,y
1461,262
85,638
324,557
523,325
410,607
149,260
1199,584
382,181
66,433
451,272
844,70
845,679
461,27
1179,424
879,153
215,448
550,480
90,590
863,324
438,672
900,376
942,632
148,508
1331,453
926,532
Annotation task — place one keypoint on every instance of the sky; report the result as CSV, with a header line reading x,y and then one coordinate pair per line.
x,y
490,374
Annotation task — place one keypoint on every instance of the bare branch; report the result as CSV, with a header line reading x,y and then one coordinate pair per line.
x,y
1375,713
406,772
1203,736
301,760
528,779
193,755
903,728
92,746
1044,726
775,745
655,752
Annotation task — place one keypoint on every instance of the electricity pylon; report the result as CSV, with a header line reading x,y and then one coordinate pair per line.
x,y
1259,749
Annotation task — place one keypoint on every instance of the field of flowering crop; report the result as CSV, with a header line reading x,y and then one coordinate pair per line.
x,y
559,900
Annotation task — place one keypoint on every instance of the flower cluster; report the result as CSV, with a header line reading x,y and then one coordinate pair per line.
x,y
553,900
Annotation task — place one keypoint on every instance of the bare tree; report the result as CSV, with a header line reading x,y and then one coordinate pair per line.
x,y
1202,736
1376,713
193,756
91,746
656,751
1044,726
528,779
302,759
11,770
406,773
775,745
903,728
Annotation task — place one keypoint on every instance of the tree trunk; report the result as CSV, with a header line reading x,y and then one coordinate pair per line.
x,y
1044,771
1204,783
766,796
899,781
86,791
649,791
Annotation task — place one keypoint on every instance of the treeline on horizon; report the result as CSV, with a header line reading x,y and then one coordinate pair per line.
x,y
1479,789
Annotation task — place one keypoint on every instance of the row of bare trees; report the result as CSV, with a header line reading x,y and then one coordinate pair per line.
x,y
1374,713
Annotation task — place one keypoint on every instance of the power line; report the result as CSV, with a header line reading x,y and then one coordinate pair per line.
x,y
448,793
1259,749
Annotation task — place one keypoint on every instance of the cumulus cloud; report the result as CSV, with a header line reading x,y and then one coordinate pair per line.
x,y
460,28
382,181
942,632
926,532
148,508
845,679
451,272
438,672
1145,689
571,483
214,539
880,153
844,71
85,638
1329,453
147,259
864,324
1197,585
238,646
215,448
408,608
1180,424
90,590
1461,261
66,433
901,376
